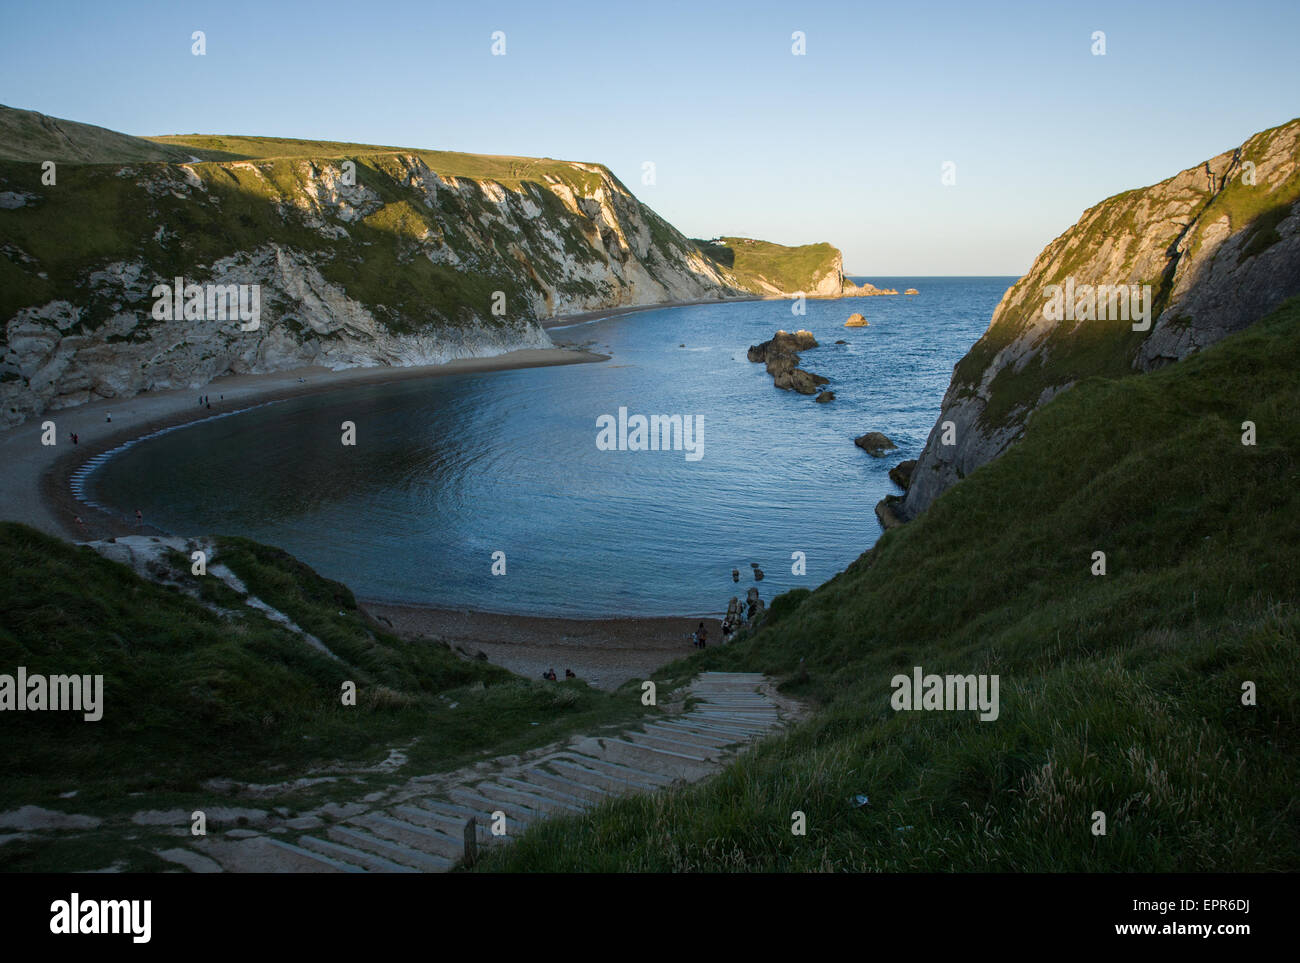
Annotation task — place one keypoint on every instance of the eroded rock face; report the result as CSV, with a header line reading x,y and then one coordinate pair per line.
x,y
1219,247
446,245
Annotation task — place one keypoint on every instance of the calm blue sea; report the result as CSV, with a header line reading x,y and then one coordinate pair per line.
x,y
449,470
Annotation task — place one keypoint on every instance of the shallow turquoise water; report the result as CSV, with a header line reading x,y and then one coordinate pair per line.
x,y
449,470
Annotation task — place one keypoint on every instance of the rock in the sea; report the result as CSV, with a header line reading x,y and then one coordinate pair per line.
x,y
841,341
825,396
886,512
857,321
901,474
865,290
796,379
874,444
780,354
735,575
911,291
758,575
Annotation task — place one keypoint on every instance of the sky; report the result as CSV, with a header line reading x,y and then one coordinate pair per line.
x,y
846,142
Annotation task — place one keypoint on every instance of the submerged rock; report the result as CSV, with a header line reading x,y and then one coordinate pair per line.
x,y
825,396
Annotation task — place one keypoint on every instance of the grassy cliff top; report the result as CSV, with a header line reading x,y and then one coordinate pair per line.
x,y
30,136
787,268
508,170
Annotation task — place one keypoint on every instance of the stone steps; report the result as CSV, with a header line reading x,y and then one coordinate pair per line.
x,y
593,793
427,833
357,857
427,840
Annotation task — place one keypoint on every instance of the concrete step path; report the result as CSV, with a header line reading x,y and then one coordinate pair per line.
x,y
424,829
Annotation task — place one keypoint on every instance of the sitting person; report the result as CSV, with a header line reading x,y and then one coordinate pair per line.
x,y
570,674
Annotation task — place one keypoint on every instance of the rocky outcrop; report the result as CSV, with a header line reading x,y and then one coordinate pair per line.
x,y
887,511
857,321
825,396
901,474
874,443
911,291
780,354
1200,255
852,290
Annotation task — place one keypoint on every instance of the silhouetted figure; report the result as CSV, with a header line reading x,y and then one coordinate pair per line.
x,y
570,674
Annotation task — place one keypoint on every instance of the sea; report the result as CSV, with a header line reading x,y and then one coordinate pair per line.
x,y
495,491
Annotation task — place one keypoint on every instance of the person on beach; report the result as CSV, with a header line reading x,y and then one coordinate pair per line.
x,y
570,674
139,517
108,416
74,437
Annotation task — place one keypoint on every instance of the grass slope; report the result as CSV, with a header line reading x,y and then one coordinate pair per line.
x,y
32,137
191,695
1119,693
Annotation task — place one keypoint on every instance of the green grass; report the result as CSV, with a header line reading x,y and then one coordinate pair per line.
x,y
34,138
1119,693
789,269
509,171
191,695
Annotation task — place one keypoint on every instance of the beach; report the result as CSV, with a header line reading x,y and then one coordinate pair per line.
x,y
603,652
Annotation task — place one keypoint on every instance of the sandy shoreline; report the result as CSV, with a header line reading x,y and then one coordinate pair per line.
x,y
604,652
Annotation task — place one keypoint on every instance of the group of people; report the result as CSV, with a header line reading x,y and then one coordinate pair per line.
x,y
550,675
739,614
205,401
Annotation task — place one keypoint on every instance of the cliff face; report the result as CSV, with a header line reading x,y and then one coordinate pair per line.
x,y
361,256
1213,248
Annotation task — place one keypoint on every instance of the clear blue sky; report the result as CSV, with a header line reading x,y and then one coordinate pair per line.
x,y
844,144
